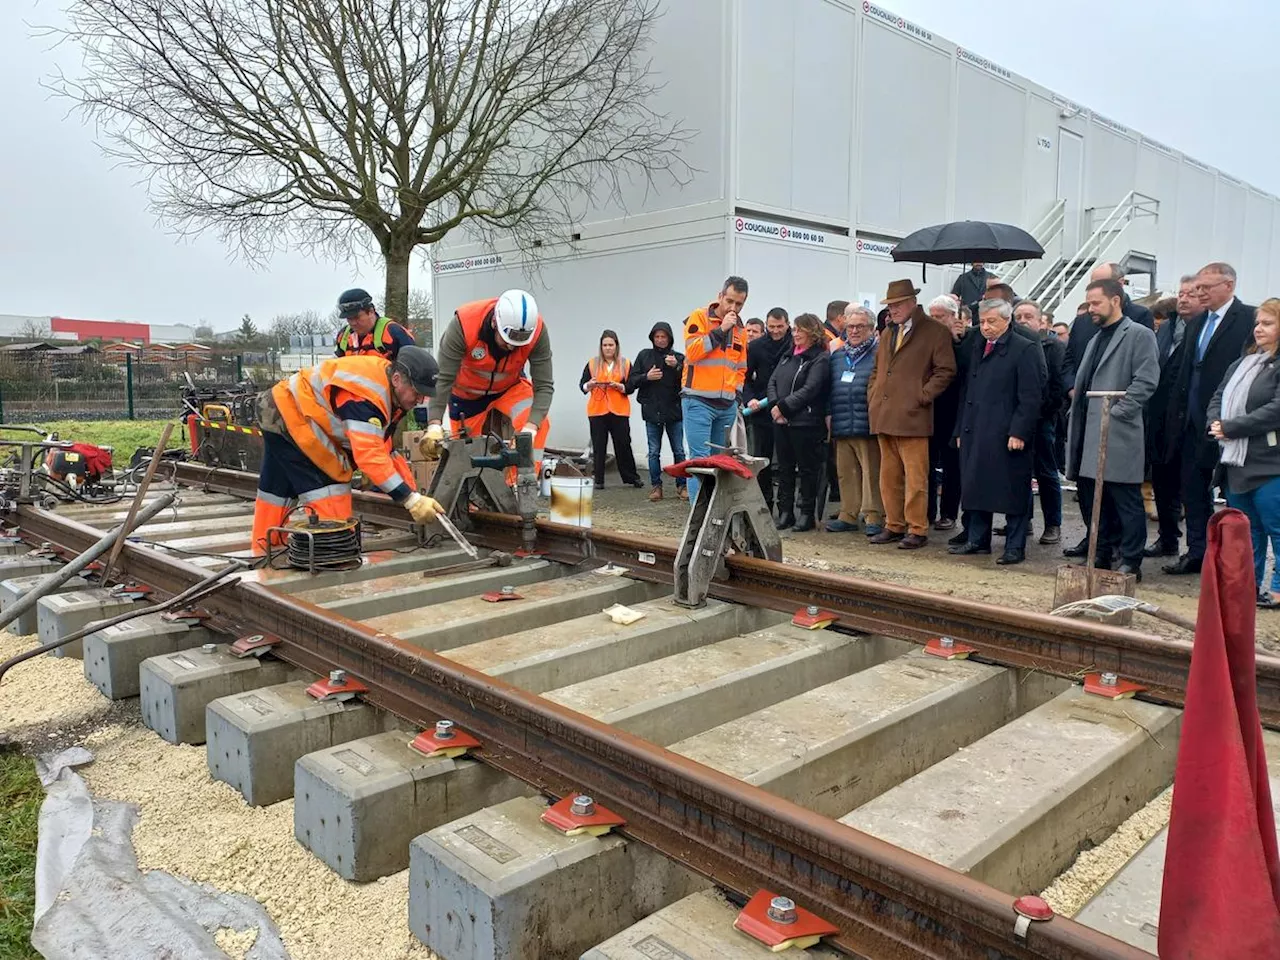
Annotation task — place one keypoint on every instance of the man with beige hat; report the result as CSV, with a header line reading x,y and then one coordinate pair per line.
x,y
915,362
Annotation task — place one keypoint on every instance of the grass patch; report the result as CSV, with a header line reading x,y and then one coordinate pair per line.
x,y
20,799
123,436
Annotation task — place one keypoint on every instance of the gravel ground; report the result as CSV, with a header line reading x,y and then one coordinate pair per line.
x,y
194,827
1028,586
1093,868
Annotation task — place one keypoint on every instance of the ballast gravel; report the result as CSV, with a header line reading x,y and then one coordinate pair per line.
x,y
1080,882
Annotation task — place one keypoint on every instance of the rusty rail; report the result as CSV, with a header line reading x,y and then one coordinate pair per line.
x,y
1015,638
888,903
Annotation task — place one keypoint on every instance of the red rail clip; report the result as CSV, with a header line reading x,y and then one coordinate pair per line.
x,y
338,686
1109,685
498,596
185,615
254,645
523,554
575,815
814,618
444,740
1029,909
778,923
948,649
131,591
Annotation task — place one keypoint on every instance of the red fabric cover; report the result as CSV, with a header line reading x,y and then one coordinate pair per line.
x,y
719,461
96,460
1221,893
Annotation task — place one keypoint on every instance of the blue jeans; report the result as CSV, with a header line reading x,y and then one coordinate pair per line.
x,y
703,426
1262,506
675,436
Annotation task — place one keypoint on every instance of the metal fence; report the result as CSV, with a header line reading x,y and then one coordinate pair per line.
x,y
46,386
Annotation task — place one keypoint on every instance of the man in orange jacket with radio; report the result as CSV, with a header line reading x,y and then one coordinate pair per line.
x,y
322,423
483,355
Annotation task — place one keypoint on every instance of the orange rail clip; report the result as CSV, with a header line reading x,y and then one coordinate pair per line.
x,y
1111,686
948,649
779,924
339,685
254,645
444,740
814,618
575,815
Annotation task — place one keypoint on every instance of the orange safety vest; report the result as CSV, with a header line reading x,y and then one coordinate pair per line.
x,y
482,373
602,400
351,344
307,402
711,372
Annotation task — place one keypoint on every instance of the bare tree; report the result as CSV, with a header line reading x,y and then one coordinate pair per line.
x,y
333,124
34,329
418,318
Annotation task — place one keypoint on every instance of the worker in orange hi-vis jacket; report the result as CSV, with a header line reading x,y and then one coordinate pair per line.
x,y
483,355
324,422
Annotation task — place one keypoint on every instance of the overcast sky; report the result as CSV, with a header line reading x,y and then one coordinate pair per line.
x,y
76,238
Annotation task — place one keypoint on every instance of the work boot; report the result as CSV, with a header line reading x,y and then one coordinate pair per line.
x,y
655,494
786,520
1051,535
805,523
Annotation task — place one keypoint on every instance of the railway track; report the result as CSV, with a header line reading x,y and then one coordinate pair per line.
x,y
904,798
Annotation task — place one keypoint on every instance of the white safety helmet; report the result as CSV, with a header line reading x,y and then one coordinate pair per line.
x,y
516,317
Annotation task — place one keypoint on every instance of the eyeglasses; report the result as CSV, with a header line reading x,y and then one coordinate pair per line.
x,y
858,326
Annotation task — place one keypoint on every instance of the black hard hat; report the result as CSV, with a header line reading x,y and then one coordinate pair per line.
x,y
421,368
353,301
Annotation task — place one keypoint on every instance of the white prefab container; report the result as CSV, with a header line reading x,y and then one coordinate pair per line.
x,y
824,131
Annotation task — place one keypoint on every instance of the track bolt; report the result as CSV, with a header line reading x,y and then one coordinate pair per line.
x,y
947,643
337,677
444,729
1109,679
582,806
256,638
782,910
209,647
811,610
508,590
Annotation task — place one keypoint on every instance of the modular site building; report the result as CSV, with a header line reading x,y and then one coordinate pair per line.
x,y
825,131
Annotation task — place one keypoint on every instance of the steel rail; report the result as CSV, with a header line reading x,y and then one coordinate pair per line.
x,y
887,902
1007,637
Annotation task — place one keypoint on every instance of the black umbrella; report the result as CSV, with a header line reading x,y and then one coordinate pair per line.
x,y
968,241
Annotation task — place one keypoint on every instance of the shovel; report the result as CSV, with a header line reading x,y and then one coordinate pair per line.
x,y
1074,583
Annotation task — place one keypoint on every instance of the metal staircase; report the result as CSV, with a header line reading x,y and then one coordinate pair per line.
x,y
1065,276
1046,231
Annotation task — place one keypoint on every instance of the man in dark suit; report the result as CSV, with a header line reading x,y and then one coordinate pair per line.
x,y
1000,403
1212,342
1166,470
1044,460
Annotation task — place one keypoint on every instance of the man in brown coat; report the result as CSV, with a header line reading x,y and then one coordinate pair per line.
x,y
914,364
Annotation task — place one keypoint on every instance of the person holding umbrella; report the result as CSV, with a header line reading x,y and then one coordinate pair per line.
x,y
971,286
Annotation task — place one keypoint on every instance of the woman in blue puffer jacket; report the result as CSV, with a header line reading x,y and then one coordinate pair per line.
x,y
857,450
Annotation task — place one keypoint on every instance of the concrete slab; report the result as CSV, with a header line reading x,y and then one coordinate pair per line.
x,y
254,739
500,883
378,563
1128,907
64,613
186,529
212,543
115,513
357,806
411,591
12,548
698,927
236,508
176,689
471,620
678,696
113,656
839,745
1015,808
576,650
14,589
26,565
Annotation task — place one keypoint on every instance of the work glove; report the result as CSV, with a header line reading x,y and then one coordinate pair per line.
x,y
423,509
430,444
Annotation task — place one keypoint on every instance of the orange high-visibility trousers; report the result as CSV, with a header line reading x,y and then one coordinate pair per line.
x,y
290,483
515,405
